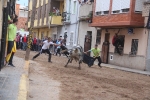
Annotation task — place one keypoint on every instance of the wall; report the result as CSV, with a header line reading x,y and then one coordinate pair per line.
x,y
45,31
83,28
137,62
17,9
23,13
22,23
73,26
22,18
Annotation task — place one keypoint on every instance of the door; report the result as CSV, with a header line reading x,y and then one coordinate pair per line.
x,y
88,41
105,49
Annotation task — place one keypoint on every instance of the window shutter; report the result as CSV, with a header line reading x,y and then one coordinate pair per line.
x,y
125,4
106,5
98,5
116,5
139,5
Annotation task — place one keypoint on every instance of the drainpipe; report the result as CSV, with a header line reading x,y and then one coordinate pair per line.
x,y
78,24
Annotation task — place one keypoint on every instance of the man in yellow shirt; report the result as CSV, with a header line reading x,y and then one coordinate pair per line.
x,y
96,52
12,30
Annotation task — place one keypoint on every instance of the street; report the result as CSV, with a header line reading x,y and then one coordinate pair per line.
x,y
52,81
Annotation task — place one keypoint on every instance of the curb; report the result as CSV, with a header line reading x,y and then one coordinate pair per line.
x,y
24,83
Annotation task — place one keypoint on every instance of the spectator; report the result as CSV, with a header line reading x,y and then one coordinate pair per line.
x,y
34,41
21,44
58,47
24,41
18,40
12,30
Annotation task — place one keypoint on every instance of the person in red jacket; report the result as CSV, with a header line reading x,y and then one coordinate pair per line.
x,y
24,40
116,42
34,41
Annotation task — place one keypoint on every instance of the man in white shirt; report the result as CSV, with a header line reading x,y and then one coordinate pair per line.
x,y
45,49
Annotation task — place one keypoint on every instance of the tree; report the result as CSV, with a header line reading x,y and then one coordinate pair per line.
x,y
34,2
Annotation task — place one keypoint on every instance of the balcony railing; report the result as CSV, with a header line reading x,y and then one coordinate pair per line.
x,y
55,20
85,9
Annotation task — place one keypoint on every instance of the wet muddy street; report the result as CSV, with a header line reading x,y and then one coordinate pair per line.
x,y
52,81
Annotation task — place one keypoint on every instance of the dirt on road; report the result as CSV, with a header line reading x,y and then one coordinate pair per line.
x,y
48,80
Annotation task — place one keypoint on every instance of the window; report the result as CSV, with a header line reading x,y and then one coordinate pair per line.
x,y
139,6
125,10
116,11
69,6
36,13
120,6
98,37
102,6
74,7
41,12
134,47
119,44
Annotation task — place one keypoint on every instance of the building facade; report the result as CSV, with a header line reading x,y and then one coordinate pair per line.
x,y
87,35
125,19
146,15
54,18
22,12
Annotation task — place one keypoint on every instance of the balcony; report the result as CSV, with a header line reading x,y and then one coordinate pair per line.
x,y
29,24
122,17
55,20
84,10
66,18
35,23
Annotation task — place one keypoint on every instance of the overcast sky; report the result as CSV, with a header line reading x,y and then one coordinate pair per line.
x,y
23,2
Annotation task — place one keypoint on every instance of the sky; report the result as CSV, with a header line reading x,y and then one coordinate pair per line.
x,y
23,2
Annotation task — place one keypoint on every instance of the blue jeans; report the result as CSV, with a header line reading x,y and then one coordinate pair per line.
x,y
24,45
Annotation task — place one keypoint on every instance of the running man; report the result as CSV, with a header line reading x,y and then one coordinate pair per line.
x,y
45,49
96,52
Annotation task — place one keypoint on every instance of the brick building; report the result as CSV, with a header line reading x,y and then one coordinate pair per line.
x,y
22,13
125,18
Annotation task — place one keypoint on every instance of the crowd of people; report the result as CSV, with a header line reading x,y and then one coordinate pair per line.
x,y
36,44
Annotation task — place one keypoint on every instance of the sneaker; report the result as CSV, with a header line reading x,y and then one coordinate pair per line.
x,y
11,65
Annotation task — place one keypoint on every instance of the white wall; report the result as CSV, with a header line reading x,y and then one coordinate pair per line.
x,y
23,13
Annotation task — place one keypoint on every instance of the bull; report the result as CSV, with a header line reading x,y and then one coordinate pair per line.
x,y
75,53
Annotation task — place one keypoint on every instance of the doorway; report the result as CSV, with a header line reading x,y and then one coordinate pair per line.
x,y
88,41
105,49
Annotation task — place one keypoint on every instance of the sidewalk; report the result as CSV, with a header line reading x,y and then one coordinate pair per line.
x,y
124,69
10,80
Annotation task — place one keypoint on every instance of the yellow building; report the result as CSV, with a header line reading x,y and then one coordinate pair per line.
x,y
45,19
